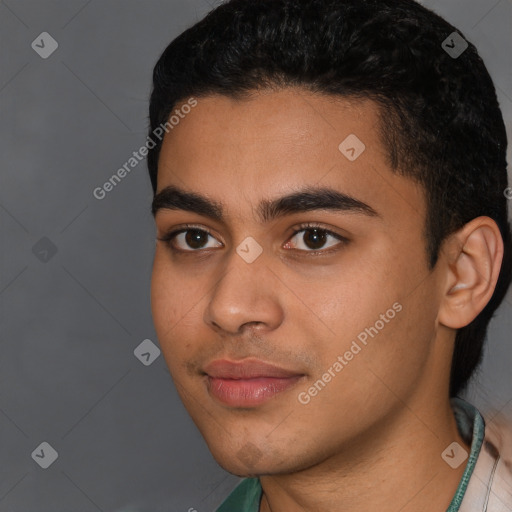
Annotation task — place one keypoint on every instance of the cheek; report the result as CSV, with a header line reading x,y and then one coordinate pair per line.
x,y
162,299
168,301
381,315
176,306
398,345
173,292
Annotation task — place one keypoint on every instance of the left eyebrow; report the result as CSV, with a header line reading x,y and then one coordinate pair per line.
x,y
304,200
310,199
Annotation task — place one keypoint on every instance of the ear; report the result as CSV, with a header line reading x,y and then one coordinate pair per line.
x,y
473,257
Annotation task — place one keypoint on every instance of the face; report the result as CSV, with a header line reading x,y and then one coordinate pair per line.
x,y
293,303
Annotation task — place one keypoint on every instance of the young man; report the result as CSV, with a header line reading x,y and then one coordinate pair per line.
x,y
332,241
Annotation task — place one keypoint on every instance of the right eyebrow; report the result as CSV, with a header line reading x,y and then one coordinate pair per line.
x,y
174,198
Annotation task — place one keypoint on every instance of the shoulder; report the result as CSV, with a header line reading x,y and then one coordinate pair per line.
x,y
490,487
498,438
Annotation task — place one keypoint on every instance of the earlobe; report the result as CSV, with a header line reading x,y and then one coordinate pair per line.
x,y
473,260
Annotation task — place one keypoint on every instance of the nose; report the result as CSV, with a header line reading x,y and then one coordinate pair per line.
x,y
247,293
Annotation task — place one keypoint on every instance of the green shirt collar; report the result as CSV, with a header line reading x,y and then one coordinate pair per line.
x,y
471,427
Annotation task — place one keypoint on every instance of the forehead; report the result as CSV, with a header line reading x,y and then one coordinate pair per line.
x,y
285,121
277,141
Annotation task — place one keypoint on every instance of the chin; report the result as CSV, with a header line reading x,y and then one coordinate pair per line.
x,y
250,460
246,461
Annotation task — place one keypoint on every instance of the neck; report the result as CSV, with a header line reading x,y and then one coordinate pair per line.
x,y
397,465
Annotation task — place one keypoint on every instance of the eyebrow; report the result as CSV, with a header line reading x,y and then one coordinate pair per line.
x,y
304,200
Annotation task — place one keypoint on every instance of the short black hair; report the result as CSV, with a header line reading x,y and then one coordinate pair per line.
x,y
440,119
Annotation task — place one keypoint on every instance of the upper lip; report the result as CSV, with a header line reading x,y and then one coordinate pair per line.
x,y
246,369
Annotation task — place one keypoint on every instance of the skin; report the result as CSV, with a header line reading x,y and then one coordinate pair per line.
x,y
372,438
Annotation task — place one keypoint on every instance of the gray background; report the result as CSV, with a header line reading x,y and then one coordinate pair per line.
x,y
70,321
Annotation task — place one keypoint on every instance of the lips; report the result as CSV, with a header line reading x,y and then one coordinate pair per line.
x,y
246,369
247,383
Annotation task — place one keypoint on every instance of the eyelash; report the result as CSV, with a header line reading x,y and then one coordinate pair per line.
x,y
169,237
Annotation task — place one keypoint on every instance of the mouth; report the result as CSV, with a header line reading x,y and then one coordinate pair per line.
x,y
247,383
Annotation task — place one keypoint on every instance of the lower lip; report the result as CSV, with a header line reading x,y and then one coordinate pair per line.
x,y
248,392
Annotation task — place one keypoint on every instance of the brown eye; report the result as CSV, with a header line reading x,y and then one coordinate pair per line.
x,y
189,240
196,238
313,239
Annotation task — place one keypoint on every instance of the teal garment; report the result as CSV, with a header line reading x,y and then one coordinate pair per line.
x,y
246,496
471,427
